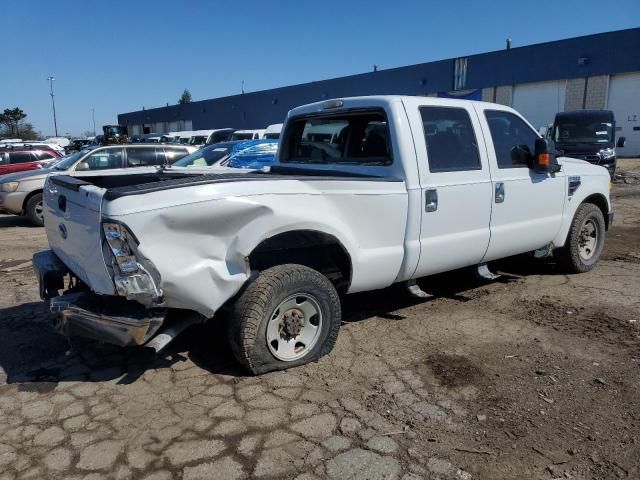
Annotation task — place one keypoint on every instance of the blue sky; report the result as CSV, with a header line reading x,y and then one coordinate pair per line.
x,y
119,56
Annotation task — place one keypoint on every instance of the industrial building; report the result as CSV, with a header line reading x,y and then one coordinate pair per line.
x,y
600,71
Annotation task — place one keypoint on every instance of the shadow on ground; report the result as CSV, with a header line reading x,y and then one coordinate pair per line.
x,y
7,221
34,355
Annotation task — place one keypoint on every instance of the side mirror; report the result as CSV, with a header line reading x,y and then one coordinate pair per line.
x,y
543,160
621,141
82,166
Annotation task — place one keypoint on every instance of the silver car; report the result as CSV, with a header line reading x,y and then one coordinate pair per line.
x,y
21,193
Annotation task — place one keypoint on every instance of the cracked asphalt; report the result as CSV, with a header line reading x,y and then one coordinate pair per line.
x,y
535,375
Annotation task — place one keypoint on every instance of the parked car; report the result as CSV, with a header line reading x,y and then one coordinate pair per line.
x,y
34,146
588,135
76,145
215,155
273,131
404,187
21,193
247,135
20,159
254,154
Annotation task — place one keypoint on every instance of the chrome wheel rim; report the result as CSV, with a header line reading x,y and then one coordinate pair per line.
x,y
294,327
588,240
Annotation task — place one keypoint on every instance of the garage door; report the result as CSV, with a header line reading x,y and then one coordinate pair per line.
x,y
624,100
539,102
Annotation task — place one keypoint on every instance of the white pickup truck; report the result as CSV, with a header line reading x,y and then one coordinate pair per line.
x,y
366,192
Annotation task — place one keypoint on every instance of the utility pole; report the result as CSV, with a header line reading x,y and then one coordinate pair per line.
x,y
93,116
53,102
242,86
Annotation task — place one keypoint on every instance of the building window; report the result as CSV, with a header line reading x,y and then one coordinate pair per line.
x,y
460,74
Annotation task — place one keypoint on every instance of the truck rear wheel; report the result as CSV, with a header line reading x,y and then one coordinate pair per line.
x,y
34,210
290,315
585,240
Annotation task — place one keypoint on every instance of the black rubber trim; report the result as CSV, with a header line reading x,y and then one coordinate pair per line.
x,y
71,183
300,174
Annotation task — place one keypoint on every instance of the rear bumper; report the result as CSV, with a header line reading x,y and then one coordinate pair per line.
x,y
106,318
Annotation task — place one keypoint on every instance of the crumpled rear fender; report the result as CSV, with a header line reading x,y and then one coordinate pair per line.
x,y
201,249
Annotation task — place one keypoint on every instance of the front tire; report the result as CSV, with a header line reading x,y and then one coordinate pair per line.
x,y
288,316
34,210
585,240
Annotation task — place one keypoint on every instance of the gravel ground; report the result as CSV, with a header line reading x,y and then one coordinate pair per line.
x,y
535,375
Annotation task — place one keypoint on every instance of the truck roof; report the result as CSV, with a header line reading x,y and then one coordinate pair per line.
x,y
382,100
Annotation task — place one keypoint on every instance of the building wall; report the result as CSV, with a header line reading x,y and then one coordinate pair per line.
x,y
539,102
573,59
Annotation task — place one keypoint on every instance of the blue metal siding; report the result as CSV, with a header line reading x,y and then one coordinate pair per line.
x,y
606,53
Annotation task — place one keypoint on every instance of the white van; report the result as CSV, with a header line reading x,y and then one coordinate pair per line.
x,y
273,131
247,135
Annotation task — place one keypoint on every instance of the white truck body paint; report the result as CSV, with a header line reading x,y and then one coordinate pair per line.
x,y
199,236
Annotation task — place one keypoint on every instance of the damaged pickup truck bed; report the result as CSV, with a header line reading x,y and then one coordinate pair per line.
x,y
366,192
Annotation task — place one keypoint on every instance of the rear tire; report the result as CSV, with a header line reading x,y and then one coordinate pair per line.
x,y
288,316
34,210
585,240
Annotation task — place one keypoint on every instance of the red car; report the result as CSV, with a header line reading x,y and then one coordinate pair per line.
x,y
17,159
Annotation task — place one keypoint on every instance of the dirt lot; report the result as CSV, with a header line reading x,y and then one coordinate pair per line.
x,y
536,375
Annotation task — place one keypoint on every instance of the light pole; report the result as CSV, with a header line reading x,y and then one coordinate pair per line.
x,y
93,116
53,102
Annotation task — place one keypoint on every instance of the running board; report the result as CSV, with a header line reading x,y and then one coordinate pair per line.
x,y
484,273
415,291
175,328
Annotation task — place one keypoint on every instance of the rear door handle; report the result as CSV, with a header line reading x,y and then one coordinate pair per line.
x,y
431,200
499,192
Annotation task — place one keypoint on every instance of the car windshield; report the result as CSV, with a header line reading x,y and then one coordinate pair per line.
x,y
253,154
583,129
197,140
67,162
205,157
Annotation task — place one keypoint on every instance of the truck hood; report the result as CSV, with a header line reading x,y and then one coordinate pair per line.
x,y
574,166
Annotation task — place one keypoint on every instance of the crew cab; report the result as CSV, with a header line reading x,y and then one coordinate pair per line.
x,y
365,192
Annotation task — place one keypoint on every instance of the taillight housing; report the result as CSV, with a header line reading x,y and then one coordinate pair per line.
x,y
120,241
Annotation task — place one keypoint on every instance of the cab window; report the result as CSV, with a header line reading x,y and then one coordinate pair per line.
x,y
509,131
358,138
451,141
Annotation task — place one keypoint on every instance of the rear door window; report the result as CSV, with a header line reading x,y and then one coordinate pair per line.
x,y
142,156
168,155
451,141
45,156
352,138
21,157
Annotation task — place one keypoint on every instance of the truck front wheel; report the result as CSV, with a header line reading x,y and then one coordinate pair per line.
x,y
288,316
585,240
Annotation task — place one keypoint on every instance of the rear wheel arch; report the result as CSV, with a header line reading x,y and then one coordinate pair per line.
x,y
312,248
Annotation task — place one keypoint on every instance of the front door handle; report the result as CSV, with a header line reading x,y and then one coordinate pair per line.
x,y
499,192
431,200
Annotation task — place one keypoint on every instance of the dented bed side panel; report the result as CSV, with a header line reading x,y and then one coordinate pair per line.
x,y
199,237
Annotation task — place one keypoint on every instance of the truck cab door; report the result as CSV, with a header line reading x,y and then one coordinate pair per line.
x,y
527,206
455,184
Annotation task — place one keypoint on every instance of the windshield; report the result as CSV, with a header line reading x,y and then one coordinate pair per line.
x,y
242,136
204,157
272,136
254,154
583,129
198,140
66,162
